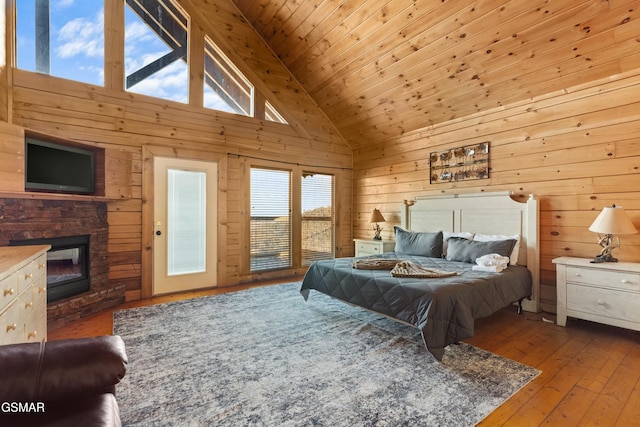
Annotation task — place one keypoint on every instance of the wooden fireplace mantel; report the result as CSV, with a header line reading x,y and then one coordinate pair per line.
x,y
56,196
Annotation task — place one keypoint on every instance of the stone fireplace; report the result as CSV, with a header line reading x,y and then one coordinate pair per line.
x,y
31,221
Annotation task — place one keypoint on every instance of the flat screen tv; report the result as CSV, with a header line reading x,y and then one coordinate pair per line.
x,y
54,167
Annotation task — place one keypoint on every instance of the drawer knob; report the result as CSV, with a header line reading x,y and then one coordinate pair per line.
x,y
42,290
41,265
601,302
626,281
29,305
578,275
11,327
9,291
32,334
28,276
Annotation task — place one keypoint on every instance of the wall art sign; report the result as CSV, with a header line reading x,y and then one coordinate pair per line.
x,y
460,164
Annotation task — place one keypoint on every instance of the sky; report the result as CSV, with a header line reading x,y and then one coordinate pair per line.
x,y
77,49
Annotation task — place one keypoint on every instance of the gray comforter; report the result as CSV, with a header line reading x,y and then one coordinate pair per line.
x,y
443,309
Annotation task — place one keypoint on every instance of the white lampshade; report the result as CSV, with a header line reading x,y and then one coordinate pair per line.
x,y
613,220
376,216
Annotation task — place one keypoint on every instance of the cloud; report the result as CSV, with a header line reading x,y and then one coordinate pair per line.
x,y
92,70
137,32
214,102
63,4
169,83
82,37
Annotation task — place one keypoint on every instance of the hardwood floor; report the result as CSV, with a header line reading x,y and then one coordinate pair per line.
x,y
590,372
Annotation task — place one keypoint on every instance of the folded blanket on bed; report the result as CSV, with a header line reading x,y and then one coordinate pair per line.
x,y
374,264
400,268
410,269
493,263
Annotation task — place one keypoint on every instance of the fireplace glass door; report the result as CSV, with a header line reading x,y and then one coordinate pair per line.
x,y
67,265
64,264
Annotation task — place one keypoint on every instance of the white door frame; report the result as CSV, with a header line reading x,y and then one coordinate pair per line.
x,y
148,154
165,281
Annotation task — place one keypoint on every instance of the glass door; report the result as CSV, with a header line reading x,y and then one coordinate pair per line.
x,y
185,223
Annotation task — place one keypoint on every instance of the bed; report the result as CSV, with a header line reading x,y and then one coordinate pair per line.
x,y
444,302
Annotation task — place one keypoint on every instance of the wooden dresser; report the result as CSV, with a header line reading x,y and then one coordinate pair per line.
x,y
605,292
23,294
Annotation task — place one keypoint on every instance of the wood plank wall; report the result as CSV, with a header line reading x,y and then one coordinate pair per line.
x,y
125,124
577,150
11,157
4,84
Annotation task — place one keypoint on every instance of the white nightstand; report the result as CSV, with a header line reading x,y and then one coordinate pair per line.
x,y
365,247
605,292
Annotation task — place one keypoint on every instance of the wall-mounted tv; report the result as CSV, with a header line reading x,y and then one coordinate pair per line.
x,y
54,167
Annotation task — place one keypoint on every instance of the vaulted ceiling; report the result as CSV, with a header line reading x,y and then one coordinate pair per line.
x,y
382,68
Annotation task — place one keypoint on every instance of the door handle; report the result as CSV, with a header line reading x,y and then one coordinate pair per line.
x,y
158,233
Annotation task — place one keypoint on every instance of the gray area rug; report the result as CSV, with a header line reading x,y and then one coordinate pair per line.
x,y
265,357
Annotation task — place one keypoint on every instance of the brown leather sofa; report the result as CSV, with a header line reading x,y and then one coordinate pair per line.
x,y
61,383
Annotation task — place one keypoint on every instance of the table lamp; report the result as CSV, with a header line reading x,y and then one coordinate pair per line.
x,y
376,217
611,222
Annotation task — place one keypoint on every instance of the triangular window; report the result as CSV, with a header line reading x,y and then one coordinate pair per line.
x,y
271,114
156,49
225,87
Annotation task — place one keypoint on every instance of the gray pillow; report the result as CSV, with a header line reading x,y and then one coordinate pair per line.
x,y
418,243
464,250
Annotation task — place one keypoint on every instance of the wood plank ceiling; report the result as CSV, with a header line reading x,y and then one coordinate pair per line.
x,y
382,68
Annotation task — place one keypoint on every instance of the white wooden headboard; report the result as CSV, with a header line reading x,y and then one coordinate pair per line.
x,y
486,213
